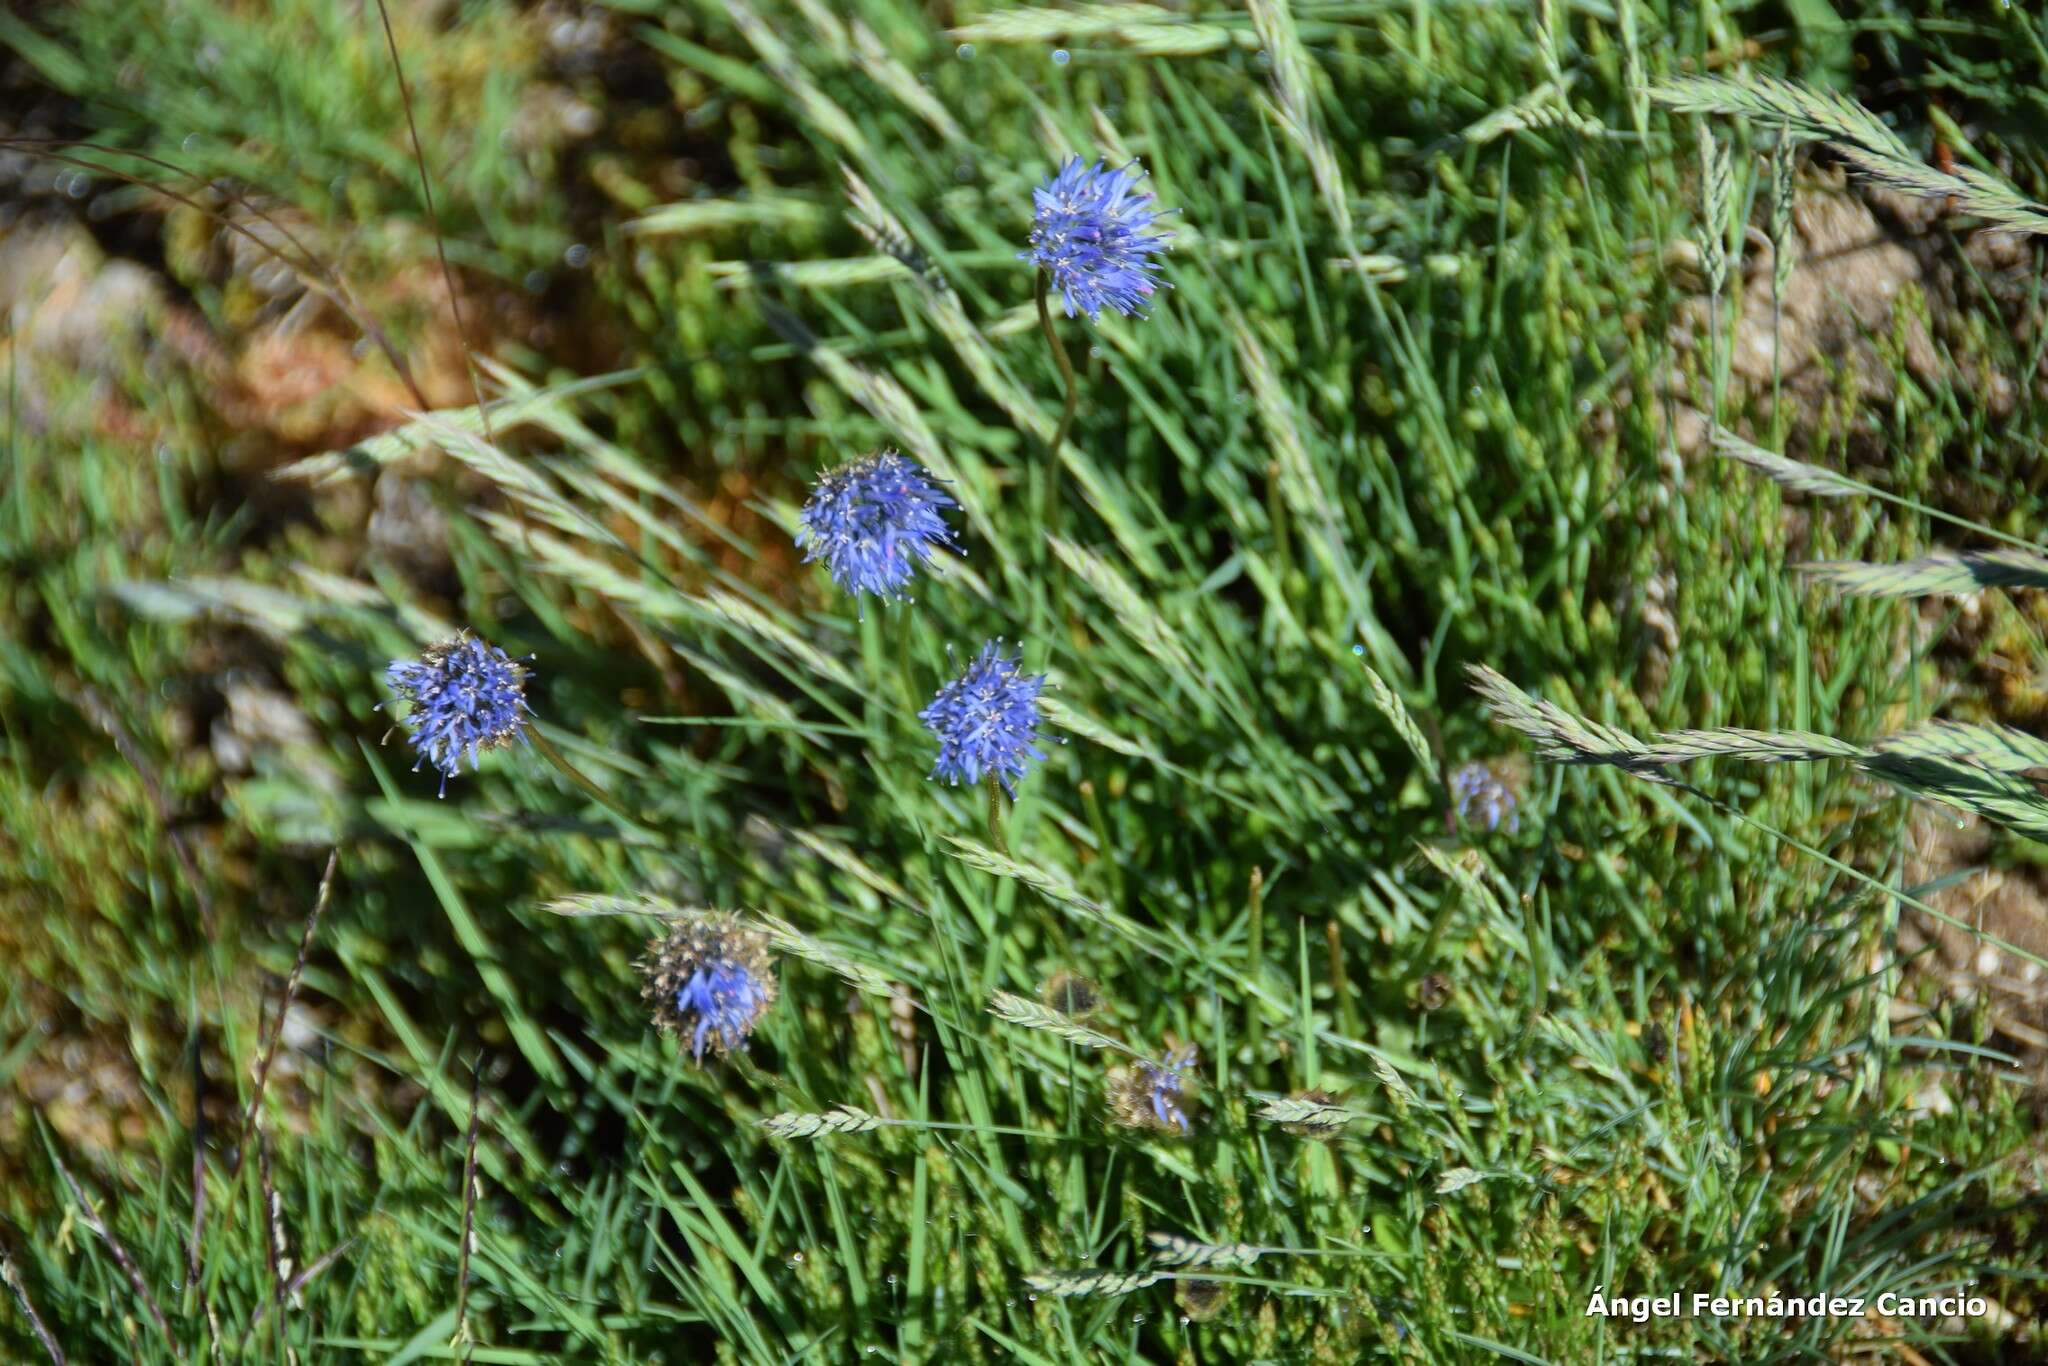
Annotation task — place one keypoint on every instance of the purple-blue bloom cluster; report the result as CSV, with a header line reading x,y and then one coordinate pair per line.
x,y
712,980
873,521
465,696
1091,231
726,998
1154,1095
1164,1083
986,720
1483,799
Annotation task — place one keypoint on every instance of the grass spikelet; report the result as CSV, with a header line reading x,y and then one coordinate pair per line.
x,y
1858,135
1396,712
810,275
2002,749
1058,713
873,57
1031,1015
1543,107
1397,1086
787,938
697,217
1149,29
1784,242
1067,1284
1783,470
1185,1254
782,63
588,904
1457,1179
1975,769
1759,746
1964,572
11,1273
1557,734
841,1119
1050,884
1133,612
1300,486
1717,179
1310,1114
531,406
1294,108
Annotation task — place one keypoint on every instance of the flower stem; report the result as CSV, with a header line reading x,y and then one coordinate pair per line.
x,y
995,817
577,776
1059,356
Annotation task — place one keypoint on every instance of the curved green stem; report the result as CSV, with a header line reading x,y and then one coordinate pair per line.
x,y
1059,356
995,817
577,776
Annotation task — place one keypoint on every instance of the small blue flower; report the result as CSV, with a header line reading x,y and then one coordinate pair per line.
x,y
1154,1095
1483,799
1165,1083
465,697
986,720
711,979
873,521
1091,231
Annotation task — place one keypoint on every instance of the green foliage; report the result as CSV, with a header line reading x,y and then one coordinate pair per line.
x,y
1447,1085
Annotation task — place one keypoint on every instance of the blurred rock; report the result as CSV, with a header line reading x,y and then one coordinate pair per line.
x,y
2010,904
263,727
408,528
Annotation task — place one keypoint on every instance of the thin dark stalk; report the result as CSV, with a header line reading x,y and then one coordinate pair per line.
x,y
1255,1017
284,1005
275,1250
1059,357
10,1273
995,816
314,273
434,225
1340,984
104,716
91,1219
292,1289
463,1340
195,1272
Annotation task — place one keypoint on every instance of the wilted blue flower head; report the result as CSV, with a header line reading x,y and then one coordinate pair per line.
x,y
986,720
1091,230
1483,799
710,980
873,521
466,697
1154,1095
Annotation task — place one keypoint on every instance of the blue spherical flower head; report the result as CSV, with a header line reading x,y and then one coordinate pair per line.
x,y
465,696
1483,798
1091,231
986,721
873,522
710,980
1155,1095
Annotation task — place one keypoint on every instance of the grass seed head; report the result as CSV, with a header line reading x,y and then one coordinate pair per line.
x,y
465,696
1091,231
